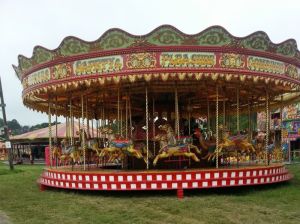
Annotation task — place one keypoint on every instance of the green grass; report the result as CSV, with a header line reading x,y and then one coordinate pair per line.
x,y
22,202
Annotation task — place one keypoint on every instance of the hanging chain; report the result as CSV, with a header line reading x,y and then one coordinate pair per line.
x,y
147,128
217,127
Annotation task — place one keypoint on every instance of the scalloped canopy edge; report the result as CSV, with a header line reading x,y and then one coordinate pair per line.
x,y
165,35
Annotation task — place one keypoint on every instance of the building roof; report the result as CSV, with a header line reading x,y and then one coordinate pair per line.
x,y
43,133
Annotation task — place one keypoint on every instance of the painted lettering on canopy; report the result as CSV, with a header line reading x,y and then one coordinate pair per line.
x,y
187,59
37,77
265,65
98,65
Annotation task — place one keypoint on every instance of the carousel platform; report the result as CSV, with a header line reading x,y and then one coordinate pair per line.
x,y
179,180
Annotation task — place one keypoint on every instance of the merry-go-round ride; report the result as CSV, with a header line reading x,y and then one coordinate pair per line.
x,y
149,96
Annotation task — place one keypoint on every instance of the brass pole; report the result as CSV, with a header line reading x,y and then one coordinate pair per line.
x,y
217,126
153,121
249,122
238,110
224,117
281,126
87,118
50,131
130,118
55,120
118,112
147,128
208,116
267,126
126,117
189,110
83,129
72,124
176,114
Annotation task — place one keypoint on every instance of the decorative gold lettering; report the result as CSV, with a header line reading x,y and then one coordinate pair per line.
x,y
181,60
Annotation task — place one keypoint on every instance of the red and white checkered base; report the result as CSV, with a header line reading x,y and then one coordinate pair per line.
x,y
179,180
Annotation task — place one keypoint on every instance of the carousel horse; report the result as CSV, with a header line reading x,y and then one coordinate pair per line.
x,y
183,141
118,147
204,144
225,144
109,150
166,150
170,133
210,147
73,153
233,145
242,144
260,147
56,153
277,154
92,146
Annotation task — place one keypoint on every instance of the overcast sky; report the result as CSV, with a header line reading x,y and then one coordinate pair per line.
x,y
27,23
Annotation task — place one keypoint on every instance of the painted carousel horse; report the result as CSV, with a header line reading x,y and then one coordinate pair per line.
x,y
181,141
92,146
71,153
56,153
227,147
277,154
242,144
166,150
210,147
118,147
260,147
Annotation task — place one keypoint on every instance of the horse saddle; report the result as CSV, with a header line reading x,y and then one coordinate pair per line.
x,y
120,143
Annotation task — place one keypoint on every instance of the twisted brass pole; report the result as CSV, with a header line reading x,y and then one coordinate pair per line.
x,y
153,123
147,128
208,116
281,127
50,131
267,126
126,118
217,126
83,129
118,111
238,110
176,113
72,123
130,118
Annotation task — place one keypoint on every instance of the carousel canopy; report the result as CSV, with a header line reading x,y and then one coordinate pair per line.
x,y
43,133
161,60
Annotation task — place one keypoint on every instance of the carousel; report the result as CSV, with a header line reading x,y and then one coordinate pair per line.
x,y
171,111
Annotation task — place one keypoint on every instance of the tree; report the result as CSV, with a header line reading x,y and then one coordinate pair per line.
x,y
14,126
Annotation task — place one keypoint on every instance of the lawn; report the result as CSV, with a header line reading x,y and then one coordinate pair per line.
x,y
22,202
